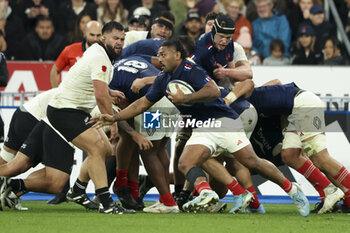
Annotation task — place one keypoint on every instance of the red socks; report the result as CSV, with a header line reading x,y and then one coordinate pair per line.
x,y
343,177
255,203
236,188
134,189
203,185
314,175
122,178
167,199
286,186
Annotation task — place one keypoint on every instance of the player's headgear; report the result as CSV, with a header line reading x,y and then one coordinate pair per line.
x,y
223,24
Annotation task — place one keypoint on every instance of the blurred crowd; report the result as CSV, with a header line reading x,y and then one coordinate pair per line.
x,y
272,32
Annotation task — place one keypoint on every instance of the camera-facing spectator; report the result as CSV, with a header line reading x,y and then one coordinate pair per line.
x,y
303,53
322,28
298,13
333,54
276,58
43,43
233,9
192,27
79,30
137,24
268,26
112,10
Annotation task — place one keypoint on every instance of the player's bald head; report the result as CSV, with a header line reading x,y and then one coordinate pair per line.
x,y
93,32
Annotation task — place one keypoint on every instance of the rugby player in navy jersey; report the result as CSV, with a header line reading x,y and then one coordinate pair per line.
x,y
155,158
215,51
305,130
206,105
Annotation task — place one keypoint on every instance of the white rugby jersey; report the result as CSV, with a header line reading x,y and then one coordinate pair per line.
x,y
76,90
38,105
134,36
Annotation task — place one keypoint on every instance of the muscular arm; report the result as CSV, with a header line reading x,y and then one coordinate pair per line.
x,y
133,109
103,100
54,76
239,71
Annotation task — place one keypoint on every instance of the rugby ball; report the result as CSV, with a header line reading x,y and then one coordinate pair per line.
x,y
184,87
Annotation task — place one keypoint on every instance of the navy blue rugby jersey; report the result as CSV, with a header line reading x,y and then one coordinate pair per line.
x,y
148,47
207,56
239,105
127,70
275,99
195,76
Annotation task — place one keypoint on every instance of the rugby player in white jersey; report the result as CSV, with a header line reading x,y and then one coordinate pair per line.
x,y
69,110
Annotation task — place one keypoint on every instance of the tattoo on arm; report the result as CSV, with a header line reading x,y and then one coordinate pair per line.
x,y
123,125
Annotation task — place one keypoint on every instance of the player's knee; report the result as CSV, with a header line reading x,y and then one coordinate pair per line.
x,y
315,145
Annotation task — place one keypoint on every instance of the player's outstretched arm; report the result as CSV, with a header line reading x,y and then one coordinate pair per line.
x,y
132,110
244,88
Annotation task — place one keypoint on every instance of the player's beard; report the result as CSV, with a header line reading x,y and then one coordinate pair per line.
x,y
111,52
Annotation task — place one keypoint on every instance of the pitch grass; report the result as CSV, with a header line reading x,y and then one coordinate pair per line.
x,y
69,217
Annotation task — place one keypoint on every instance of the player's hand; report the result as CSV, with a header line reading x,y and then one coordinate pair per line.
x,y
137,85
219,72
142,141
178,97
116,94
113,129
102,120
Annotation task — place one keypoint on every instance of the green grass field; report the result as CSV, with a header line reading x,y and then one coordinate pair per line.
x,y
69,217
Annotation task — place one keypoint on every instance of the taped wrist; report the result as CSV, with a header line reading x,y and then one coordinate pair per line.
x,y
231,97
193,174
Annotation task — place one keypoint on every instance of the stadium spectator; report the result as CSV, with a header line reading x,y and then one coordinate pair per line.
x,y
245,40
153,6
79,30
233,9
137,24
30,10
251,12
43,43
206,6
112,10
192,25
162,28
303,53
276,58
333,54
322,28
146,13
13,30
268,26
299,12
69,11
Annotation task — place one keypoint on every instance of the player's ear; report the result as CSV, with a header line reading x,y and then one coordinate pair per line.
x,y
103,38
178,55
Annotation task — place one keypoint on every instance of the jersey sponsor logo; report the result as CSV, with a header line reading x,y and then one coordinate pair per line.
x,y
24,146
152,120
104,68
